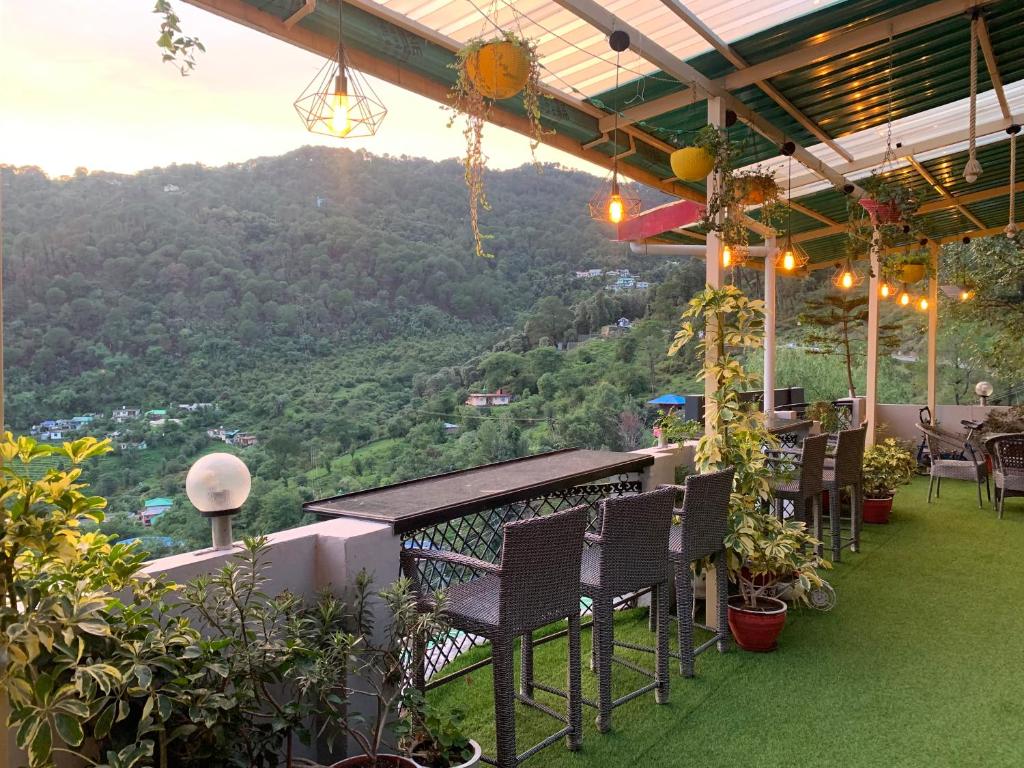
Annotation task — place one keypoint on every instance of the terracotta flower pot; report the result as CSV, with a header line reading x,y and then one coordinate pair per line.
x,y
879,212
499,69
691,163
755,191
877,511
757,629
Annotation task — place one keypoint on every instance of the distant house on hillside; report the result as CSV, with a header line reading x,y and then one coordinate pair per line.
x,y
81,421
487,399
244,440
126,413
194,407
171,189
157,414
153,508
130,446
449,428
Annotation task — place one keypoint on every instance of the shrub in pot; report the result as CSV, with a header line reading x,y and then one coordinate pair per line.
x,y
887,465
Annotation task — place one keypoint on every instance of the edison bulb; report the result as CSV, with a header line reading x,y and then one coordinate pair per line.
x,y
847,279
965,295
788,261
615,209
726,257
341,118
904,298
923,304
884,291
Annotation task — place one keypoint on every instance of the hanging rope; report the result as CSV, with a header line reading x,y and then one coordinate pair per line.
x,y
1011,225
973,168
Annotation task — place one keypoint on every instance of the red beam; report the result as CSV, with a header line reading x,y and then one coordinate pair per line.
x,y
659,220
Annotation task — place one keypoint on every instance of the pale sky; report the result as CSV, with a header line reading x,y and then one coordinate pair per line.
x,y
83,85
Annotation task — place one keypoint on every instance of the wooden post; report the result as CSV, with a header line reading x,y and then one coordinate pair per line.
x,y
933,331
871,389
713,276
769,323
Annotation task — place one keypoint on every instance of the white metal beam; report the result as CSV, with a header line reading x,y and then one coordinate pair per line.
x,y
821,47
597,16
769,324
924,174
993,68
871,386
693,21
933,330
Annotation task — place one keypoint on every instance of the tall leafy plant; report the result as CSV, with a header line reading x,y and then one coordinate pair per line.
x,y
729,325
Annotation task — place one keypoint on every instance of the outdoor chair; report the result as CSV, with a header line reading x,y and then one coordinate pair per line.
x,y
1007,452
704,523
844,471
804,490
536,584
629,555
967,464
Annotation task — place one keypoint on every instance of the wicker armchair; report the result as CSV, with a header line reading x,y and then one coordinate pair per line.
x,y
629,555
945,451
846,471
704,523
1007,452
536,584
803,491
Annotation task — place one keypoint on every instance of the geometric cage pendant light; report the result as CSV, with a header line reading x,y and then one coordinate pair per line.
x,y
339,101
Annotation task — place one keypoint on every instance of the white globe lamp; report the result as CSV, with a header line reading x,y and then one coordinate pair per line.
x,y
983,390
218,485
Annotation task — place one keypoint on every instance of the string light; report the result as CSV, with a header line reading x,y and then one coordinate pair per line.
x,y
904,298
727,257
922,304
885,290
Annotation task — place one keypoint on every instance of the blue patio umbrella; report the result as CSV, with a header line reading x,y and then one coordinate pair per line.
x,y
668,400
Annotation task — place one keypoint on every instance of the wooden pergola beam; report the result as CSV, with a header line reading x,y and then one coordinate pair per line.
x,y
993,68
694,22
824,46
392,71
930,207
599,17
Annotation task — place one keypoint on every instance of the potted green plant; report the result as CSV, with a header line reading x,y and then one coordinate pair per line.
x,y
887,465
774,553
888,202
434,738
670,428
488,70
908,266
758,547
705,154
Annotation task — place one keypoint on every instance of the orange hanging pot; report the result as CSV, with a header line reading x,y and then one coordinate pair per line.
x,y
911,273
754,191
499,69
691,163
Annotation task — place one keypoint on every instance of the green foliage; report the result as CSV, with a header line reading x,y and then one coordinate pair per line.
x,y
887,465
757,541
433,737
179,49
93,657
826,414
675,429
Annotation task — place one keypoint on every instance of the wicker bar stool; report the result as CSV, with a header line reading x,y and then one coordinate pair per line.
x,y
803,491
1007,452
845,470
953,459
629,555
704,522
536,584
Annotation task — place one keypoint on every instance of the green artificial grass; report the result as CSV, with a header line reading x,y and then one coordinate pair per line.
x,y
921,663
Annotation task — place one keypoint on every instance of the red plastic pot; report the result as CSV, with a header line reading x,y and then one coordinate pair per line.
x,y
757,629
880,213
877,510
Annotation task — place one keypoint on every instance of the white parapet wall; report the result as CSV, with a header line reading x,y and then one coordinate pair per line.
x,y
899,420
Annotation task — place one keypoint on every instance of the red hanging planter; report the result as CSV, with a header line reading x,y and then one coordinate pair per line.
x,y
879,212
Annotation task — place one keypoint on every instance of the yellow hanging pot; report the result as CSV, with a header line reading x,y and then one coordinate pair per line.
x,y
499,69
911,273
691,163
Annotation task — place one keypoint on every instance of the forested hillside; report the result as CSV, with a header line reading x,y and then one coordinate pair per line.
x,y
328,304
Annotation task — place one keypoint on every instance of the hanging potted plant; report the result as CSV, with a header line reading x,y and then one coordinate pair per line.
x,y
909,266
706,154
887,466
488,70
888,202
756,187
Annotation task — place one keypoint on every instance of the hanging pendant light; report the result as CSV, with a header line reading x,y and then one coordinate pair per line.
x,y
789,259
846,278
611,202
339,101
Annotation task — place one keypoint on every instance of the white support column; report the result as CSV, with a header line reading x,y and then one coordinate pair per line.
x,y
769,324
713,276
713,268
933,331
871,390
